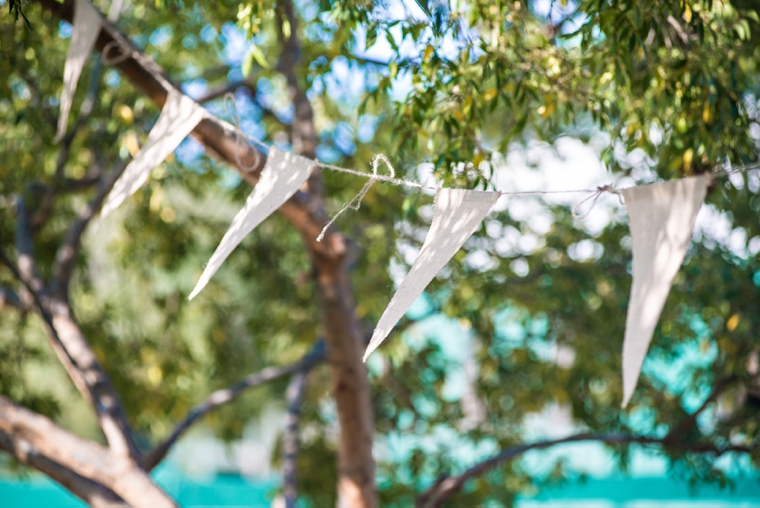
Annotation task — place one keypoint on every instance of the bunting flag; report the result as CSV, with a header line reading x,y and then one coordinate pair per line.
x,y
178,118
86,27
458,213
662,217
281,177
115,10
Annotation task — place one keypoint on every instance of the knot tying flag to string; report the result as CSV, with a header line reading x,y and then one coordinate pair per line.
x,y
595,196
356,201
122,55
231,105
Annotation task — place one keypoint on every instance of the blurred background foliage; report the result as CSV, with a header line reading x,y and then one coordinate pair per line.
x,y
674,81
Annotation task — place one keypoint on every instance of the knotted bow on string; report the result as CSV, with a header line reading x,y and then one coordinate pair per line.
x,y
595,196
356,202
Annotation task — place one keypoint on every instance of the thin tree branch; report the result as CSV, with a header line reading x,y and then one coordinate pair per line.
x,y
290,445
66,337
231,87
66,256
679,30
46,203
251,92
303,133
15,271
678,432
74,353
367,61
26,264
446,487
23,431
93,382
79,184
221,397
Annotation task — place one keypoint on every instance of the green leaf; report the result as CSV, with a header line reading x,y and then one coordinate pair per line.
x,y
371,38
254,54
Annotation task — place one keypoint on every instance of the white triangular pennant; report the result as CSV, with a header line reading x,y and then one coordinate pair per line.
x,y
281,177
661,217
86,27
115,10
458,213
178,118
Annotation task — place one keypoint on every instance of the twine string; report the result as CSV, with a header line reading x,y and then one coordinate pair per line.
x,y
356,202
403,182
594,197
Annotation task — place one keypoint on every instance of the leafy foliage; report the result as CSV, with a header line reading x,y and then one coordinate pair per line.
x,y
15,10
673,81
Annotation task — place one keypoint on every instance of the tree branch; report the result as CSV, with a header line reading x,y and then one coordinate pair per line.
x,y
87,490
89,377
290,439
74,353
219,137
221,397
46,203
678,432
679,30
26,263
37,440
228,88
447,486
91,492
66,256
350,387
303,133
306,213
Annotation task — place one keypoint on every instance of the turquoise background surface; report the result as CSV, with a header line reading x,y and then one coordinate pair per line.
x,y
228,490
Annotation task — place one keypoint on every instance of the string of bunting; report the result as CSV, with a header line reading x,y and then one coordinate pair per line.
x,y
661,215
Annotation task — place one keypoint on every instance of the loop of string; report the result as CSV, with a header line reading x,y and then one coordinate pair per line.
x,y
356,201
594,197
115,60
231,105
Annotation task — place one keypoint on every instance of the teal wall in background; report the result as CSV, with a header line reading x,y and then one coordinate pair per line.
x,y
228,490
223,490
647,493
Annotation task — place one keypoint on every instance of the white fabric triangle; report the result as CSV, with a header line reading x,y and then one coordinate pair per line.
x,y
661,217
115,10
86,27
281,177
458,213
178,118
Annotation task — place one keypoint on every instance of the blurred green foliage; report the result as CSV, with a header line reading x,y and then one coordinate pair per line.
x,y
675,80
